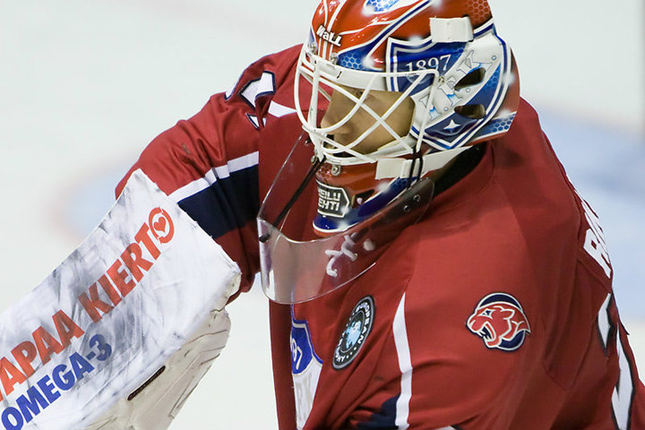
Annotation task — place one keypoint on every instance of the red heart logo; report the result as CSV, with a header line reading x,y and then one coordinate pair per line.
x,y
160,225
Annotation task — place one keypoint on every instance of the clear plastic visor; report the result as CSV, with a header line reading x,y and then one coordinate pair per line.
x,y
296,265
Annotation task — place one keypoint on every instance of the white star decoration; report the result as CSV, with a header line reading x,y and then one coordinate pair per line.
x,y
453,125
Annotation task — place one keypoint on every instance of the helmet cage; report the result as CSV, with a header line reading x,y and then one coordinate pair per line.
x,y
324,75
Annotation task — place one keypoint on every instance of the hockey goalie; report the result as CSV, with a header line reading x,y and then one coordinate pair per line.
x,y
429,264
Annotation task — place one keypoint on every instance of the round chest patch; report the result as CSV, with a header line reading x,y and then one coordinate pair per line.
x,y
356,331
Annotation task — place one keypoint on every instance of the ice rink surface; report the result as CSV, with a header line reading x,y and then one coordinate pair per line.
x,y
84,86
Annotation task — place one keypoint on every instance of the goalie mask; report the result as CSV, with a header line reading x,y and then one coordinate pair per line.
x,y
441,63
442,57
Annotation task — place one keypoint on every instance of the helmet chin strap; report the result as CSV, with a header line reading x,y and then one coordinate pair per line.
x,y
310,175
401,167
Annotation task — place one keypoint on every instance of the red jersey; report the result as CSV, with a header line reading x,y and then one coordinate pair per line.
x,y
495,311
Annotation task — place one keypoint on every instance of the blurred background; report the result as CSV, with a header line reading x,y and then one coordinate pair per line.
x,y
85,85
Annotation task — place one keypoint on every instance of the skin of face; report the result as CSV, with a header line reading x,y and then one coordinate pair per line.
x,y
380,102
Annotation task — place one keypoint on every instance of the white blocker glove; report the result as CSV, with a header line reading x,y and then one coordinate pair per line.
x,y
123,330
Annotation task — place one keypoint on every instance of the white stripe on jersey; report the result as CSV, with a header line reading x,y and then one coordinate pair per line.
x,y
257,87
214,174
279,110
405,365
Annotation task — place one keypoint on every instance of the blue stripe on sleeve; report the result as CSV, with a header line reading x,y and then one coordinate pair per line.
x,y
227,204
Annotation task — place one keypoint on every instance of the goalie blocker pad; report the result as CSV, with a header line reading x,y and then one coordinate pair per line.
x,y
154,404
109,323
